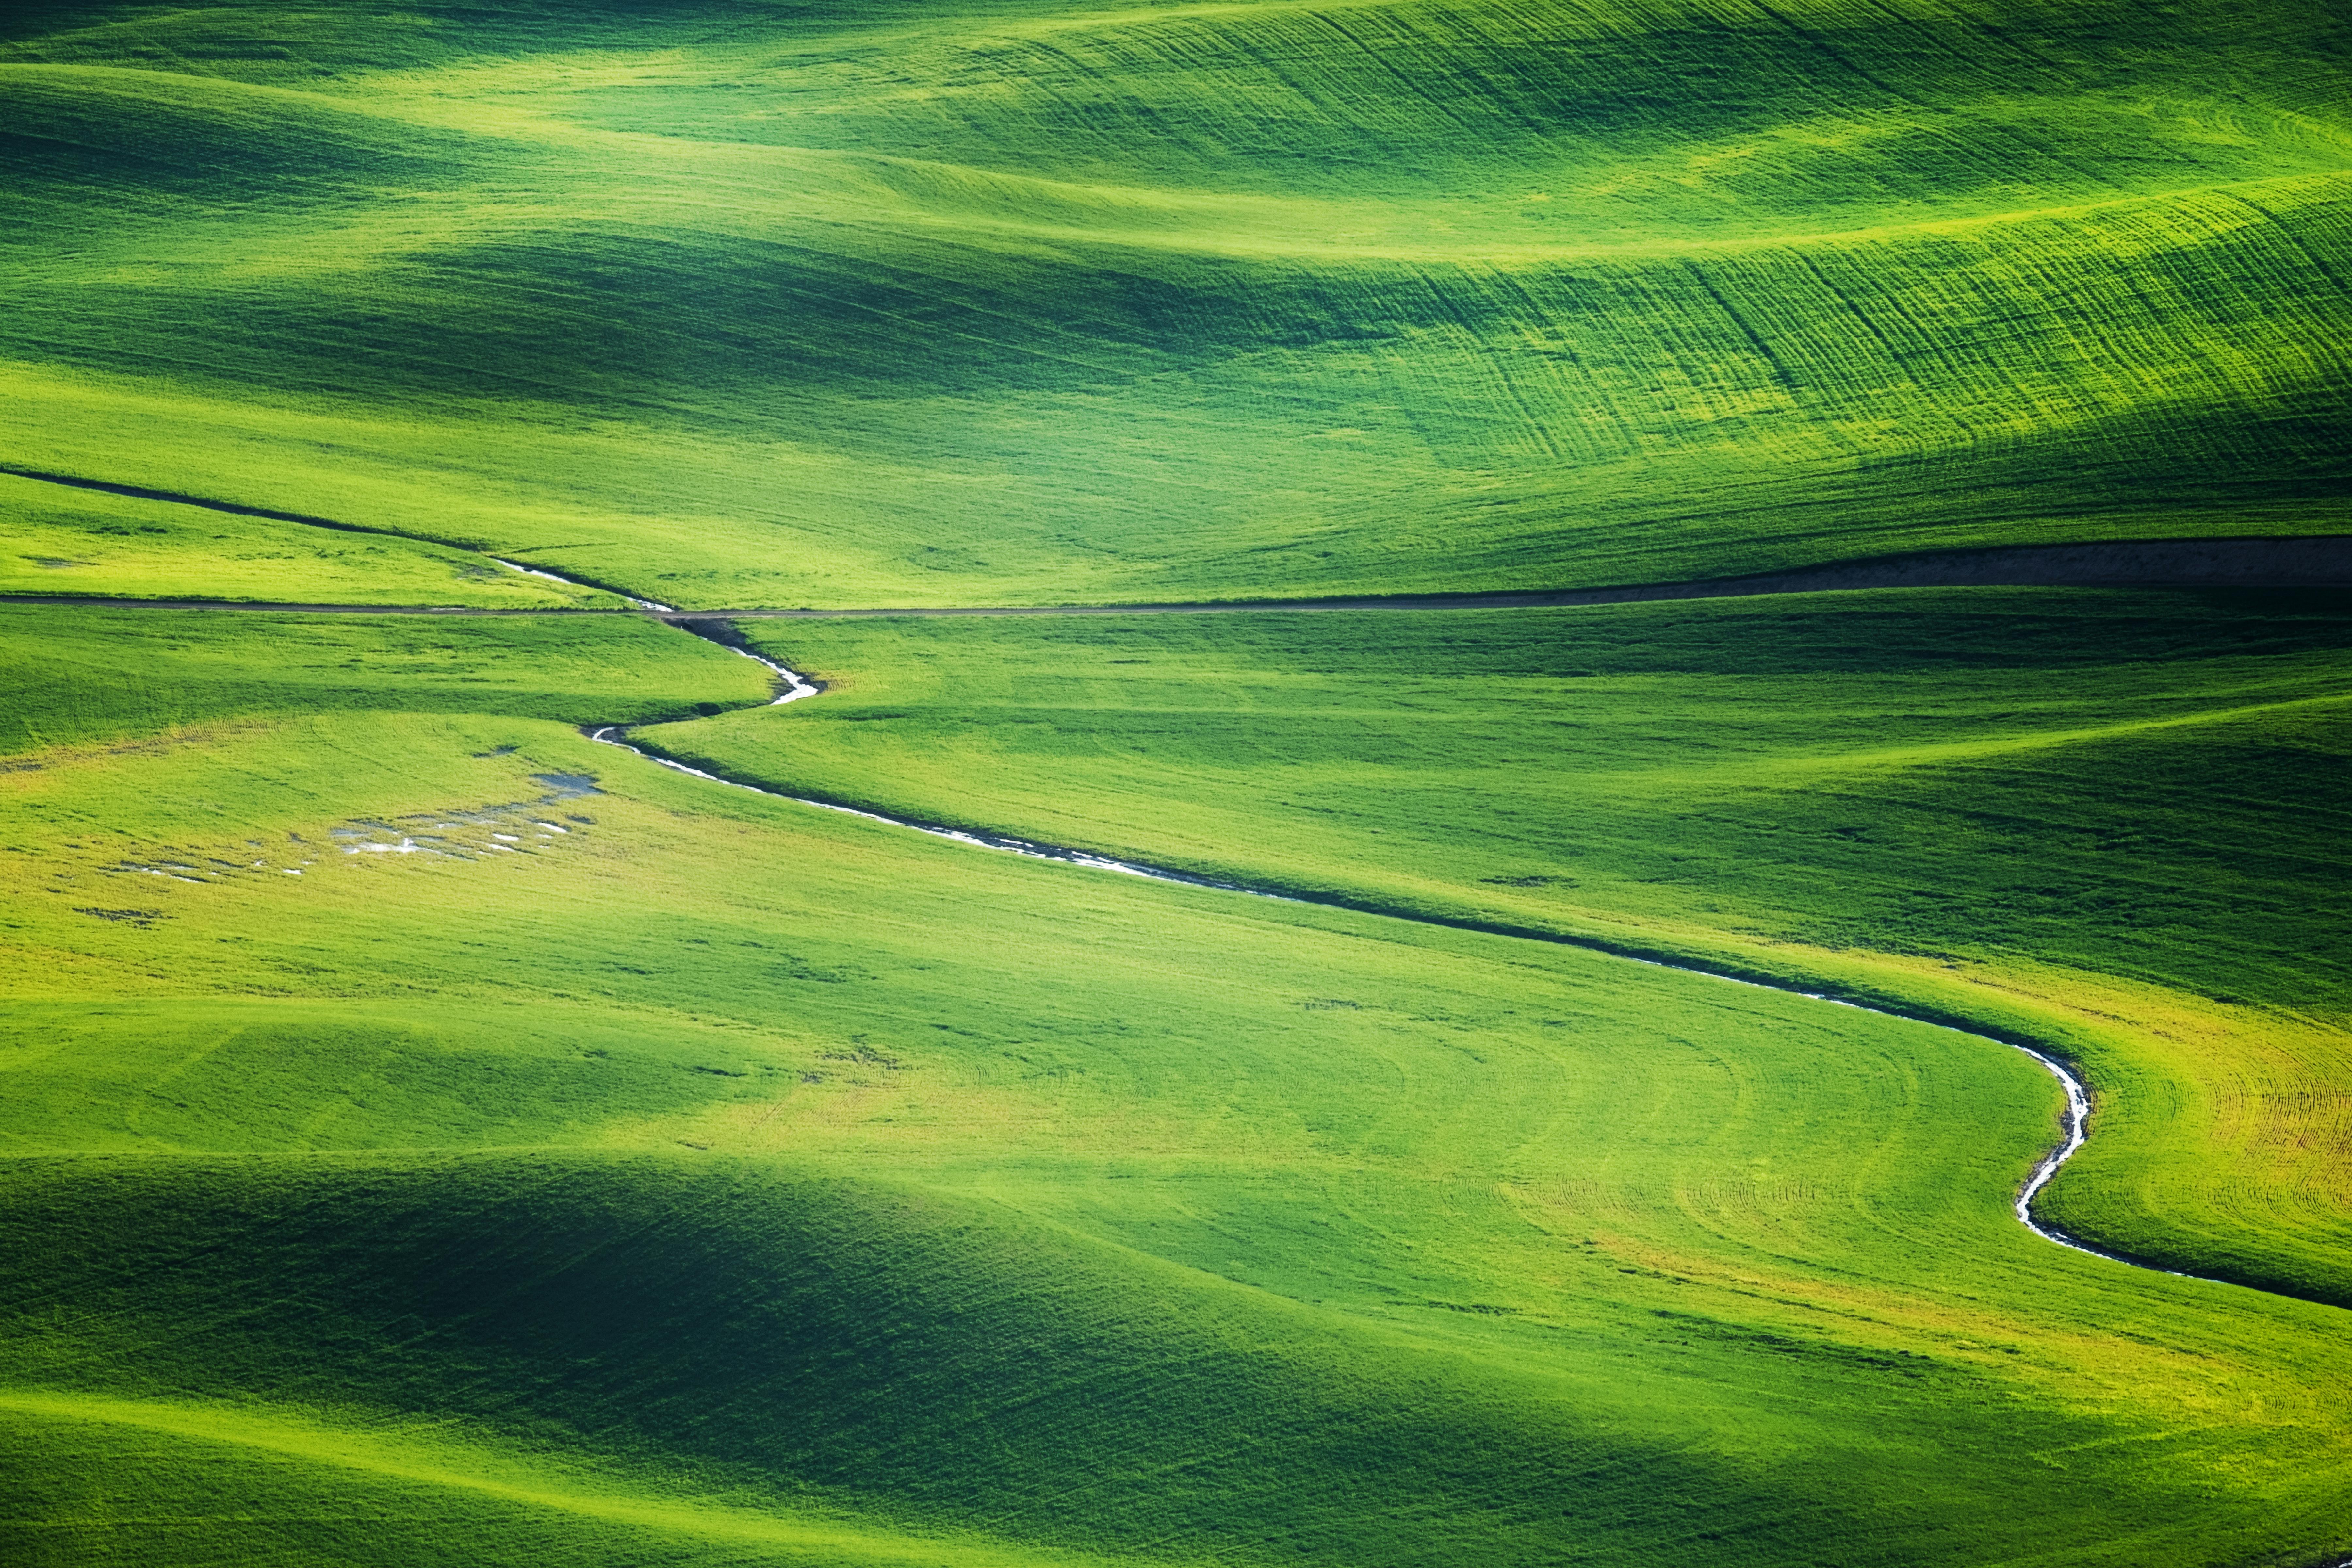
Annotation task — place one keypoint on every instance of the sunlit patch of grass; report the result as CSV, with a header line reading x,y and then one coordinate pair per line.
x,y
82,542
729,1154
2102,820
1032,305
434,1138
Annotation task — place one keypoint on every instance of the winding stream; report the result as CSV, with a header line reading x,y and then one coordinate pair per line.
x,y
796,686
2247,562
656,606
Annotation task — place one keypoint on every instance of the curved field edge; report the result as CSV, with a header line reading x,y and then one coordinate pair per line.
x,y
170,576
87,539
2100,1028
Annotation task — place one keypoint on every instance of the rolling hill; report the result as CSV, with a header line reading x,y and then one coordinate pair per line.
x,y
433,1131
1014,304
429,1136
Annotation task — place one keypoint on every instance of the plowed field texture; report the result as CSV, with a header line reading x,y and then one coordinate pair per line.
x,y
1567,1104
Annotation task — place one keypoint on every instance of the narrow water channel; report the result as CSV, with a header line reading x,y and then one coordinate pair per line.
x,y
2301,562
795,686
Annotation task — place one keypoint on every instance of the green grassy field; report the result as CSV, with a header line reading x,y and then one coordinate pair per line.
x,y
429,1137
2055,810
94,544
1011,303
737,1179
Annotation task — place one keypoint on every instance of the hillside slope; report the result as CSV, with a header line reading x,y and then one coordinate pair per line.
x,y
1009,303
430,1137
2109,822
575,1157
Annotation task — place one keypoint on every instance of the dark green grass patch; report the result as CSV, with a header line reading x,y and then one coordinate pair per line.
x,y
830,1352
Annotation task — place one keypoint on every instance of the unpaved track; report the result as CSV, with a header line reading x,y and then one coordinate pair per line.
x,y
2323,560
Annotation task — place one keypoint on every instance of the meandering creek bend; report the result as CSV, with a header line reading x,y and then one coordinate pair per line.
x,y
2243,562
2078,1101
795,687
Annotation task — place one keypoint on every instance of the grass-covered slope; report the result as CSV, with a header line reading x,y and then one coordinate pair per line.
x,y
68,541
2110,821
667,1173
91,676
429,1137
2139,782
1009,301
